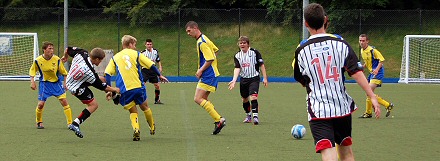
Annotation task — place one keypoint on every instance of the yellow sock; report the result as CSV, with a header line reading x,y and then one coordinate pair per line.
x,y
68,113
382,101
39,114
149,116
369,106
134,121
209,107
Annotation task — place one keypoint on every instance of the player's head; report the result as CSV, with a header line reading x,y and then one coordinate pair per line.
x,y
129,42
149,44
47,48
363,41
96,56
314,16
243,43
192,29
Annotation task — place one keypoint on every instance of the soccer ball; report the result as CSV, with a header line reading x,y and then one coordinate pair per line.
x,y
298,131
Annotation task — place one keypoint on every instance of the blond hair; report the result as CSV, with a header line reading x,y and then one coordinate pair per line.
x,y
127,40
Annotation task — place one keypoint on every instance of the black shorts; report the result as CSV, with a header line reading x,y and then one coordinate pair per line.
x,y
249,86
330,131
84,94
150,75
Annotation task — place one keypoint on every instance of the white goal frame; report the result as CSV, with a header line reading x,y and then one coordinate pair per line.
x,y
405,75
4,45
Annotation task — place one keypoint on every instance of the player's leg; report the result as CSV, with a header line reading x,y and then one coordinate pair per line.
x,y
39,114
253,92
204,88
87,98
244,92
324,138
131,107
141,99
66,107
343,138
154,79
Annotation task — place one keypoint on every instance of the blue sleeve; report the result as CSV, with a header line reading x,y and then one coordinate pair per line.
x,y
153,67
108,79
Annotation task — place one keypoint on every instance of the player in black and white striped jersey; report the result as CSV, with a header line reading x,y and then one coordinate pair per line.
x,y
150,75
319,65
80,76
248,64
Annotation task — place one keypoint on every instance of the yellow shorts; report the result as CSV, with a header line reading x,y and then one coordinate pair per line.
x,y
377,82
62,96
206,87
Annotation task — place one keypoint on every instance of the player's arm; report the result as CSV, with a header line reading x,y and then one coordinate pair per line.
x,y
237,70
158,62
209,57
260,62
381,59
63,72
109,71
32,73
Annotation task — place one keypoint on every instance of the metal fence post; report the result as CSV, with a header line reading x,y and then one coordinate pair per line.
x,y
178,44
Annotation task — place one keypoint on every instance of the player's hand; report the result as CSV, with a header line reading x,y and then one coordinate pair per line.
x,y
108,96
265,83
33,86
163,79
199,74
64,58
231,85
376,107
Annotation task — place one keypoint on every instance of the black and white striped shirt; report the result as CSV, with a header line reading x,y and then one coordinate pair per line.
x,y
249,62
319,65
81,73
153,55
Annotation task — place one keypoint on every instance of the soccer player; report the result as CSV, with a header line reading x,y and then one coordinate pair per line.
x,y
207,73
150,75
126,65
248,62
81,76
50,69
319,65
373,61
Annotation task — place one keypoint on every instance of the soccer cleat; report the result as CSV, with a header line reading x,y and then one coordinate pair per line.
x,y
248,119
158,102
366,115
136,135
219,125
389,108
153,130
40,125
116,98
256,122
75,129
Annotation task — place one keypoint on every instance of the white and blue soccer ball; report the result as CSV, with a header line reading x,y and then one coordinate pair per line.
x,y
298,131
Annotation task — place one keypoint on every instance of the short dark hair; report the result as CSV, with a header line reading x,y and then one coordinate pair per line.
x,y
97,53
314,15
148,40
192,24
46,44
364,35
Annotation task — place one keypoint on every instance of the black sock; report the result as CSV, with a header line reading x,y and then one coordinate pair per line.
x,y
247,107
254,106
157,92
84,115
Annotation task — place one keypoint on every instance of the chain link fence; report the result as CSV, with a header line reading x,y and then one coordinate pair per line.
x,y
274,34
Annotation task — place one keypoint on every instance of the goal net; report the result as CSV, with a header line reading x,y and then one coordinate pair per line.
x,y
420,59
17,52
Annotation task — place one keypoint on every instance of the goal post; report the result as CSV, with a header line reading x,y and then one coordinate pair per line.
x,y
420,59
17,53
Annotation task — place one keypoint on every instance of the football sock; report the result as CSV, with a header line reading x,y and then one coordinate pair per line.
x,y
255,108
382,101
68,113
157,93
368,106
209,107
149,116
82,117
39,114
247,107
134,121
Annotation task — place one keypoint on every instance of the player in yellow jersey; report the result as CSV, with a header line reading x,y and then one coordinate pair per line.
x,y
373,61
207,73
126,65
50,69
